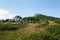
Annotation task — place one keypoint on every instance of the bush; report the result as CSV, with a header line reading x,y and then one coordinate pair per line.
x,y
11,26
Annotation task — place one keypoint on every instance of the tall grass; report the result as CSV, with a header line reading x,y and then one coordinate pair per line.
x,y
10,26
51,33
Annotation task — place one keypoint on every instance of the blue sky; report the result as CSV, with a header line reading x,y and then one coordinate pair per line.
x,y
26,8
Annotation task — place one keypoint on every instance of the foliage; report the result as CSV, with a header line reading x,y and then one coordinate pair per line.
x,y
10,26
8,31
39,18
51,33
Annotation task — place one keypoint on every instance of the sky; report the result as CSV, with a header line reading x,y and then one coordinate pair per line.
x,y
25,8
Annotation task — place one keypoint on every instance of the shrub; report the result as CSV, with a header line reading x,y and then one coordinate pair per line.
x,y
11,26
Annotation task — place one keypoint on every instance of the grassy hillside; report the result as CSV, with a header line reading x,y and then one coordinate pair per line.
x,y
39,18
37,27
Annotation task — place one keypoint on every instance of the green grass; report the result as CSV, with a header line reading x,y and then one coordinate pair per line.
x,y
10,26
51,33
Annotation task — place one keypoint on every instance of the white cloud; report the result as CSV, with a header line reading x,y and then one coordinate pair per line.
x,y
4,14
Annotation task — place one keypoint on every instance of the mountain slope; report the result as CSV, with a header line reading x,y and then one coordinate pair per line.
x,y
37,27
39,18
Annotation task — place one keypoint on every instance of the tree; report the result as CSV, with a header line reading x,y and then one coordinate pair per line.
x,y
17,18
7,20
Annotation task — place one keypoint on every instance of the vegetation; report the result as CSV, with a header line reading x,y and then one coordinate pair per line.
x,y
37,27
51,33
10,26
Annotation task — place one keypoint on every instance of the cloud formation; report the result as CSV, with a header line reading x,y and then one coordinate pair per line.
x,y
4,14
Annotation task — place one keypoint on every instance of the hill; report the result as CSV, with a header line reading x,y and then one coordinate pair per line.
x,y
39,18
37,27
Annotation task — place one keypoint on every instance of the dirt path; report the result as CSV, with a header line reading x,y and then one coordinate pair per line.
x,y
30,27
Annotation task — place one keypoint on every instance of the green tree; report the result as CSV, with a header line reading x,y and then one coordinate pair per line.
x,y
17,18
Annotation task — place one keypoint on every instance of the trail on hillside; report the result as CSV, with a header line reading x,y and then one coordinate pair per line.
x,y
20,33
31,27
